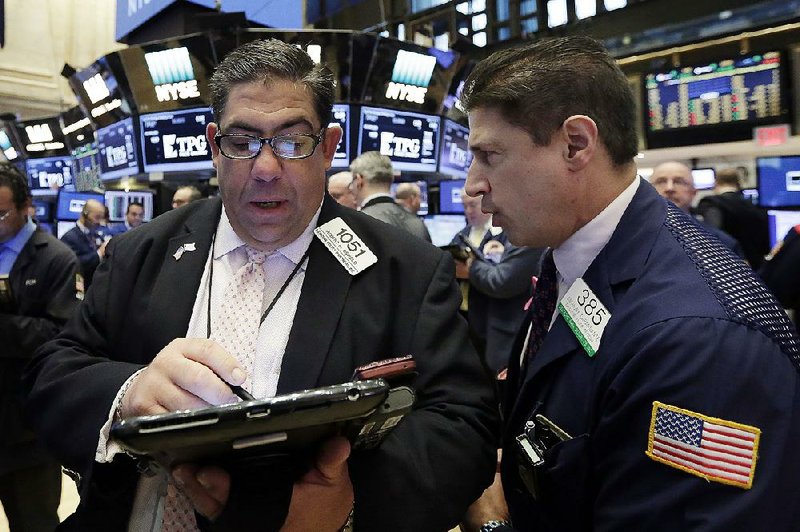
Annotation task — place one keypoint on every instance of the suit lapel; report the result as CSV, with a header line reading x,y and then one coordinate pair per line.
x,y
169,316
318,312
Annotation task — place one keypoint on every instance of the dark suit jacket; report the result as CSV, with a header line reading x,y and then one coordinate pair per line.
x,y
43,283
387,210
86,252
436,462
497,296
738,217
692,327
782,272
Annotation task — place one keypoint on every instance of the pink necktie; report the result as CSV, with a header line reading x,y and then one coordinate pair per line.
x,y
237,331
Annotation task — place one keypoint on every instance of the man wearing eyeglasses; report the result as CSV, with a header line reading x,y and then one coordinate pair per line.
x,y
37,295
194,271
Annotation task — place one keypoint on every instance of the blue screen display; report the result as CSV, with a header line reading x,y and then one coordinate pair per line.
x,y
410,140
176,140
70,204
47,175
450,196
43,211
778,181
341,116
780,222
117,146
456,157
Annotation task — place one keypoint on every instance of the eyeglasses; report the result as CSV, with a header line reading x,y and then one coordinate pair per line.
x,y
242,146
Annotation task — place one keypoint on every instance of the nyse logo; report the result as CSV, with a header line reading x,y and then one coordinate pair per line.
x,y
182,90
181,147
39,133
392,145
116,156
96,88
410,93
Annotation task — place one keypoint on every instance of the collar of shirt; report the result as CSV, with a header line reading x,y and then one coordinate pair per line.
x,y
10,250
373,196
573,257
83,228
227,241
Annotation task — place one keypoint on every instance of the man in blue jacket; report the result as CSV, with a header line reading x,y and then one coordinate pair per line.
x,y
657,384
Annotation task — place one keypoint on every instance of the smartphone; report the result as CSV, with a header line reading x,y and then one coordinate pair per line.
x,y
388,369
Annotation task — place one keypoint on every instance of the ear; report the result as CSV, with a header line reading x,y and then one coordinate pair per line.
x,y
333,134
579,133
211,132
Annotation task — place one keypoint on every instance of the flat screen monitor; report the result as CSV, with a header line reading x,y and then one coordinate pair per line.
x,y
703,178
443,227
456,157
719,101
423,192
341,116
70,204
779,224
175,141
46,176
87,167
117,146
43,211
63,227
117,202
102,91
778,181
409,139
751,194
43,138
450,196
76,127
9,143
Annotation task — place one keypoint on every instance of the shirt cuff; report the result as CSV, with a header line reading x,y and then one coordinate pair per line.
x,y
107,448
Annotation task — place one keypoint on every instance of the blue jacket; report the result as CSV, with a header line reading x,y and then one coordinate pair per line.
x,y
692,327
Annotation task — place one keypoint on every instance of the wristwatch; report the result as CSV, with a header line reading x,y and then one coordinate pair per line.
x,y
495,526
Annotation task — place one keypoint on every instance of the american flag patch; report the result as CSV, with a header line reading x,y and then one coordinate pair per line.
x,y
710,448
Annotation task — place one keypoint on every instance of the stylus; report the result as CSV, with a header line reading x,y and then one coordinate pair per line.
x,y
241,393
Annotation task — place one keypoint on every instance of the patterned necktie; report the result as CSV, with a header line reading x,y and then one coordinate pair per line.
x,y
240,316
544,304
237,331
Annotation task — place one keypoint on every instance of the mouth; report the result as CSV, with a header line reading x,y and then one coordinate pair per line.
x,y
272,204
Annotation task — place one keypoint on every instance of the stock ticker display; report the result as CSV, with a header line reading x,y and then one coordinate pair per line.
x,y
410,140
176,141
747,90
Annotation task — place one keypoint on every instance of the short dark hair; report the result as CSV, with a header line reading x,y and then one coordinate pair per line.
x,y
11,177
730,177
271,60
133,204
539,85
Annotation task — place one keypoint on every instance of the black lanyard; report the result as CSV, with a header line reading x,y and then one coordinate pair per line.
x,y
274,299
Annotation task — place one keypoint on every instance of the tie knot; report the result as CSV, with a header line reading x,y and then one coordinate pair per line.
x,y
255,256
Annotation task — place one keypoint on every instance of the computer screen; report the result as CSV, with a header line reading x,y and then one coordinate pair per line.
x,y
176,140
341,116
46,176
117,146
43,210
102,92
9,143
718,101
456,157
43,137
450,196
443,227
70,204
87,167
76,127
751,194
410,140
779,224
423,192
117,202
703,178
778,181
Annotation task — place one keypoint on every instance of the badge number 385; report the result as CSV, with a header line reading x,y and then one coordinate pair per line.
x,y
585,314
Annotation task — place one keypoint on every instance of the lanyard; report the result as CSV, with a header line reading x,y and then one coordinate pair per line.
x,y
274,299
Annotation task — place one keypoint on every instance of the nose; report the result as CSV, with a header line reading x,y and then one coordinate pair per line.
x,y
475,184
266,165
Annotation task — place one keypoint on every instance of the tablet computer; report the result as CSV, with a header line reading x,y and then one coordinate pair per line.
x,y
291,424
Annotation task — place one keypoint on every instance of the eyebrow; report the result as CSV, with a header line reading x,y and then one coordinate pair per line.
x,y
284,125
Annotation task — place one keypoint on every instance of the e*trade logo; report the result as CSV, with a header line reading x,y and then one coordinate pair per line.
x,y
172,74
410,77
